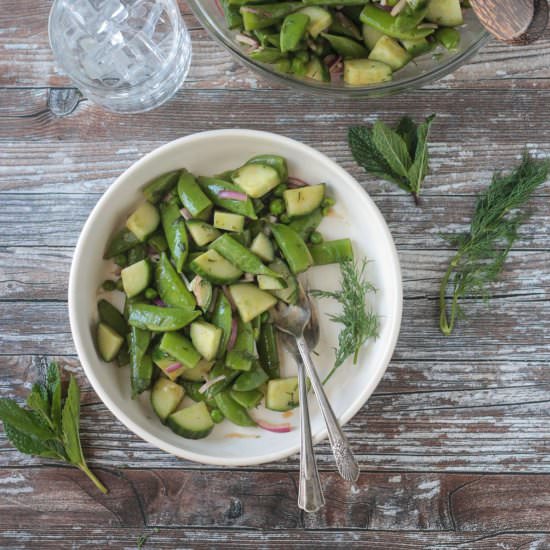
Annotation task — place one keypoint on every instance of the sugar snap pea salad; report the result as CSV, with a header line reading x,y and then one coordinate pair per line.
x,y
202,261
362,42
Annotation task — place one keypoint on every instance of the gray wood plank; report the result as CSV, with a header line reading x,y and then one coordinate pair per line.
x,y
251,500
268,539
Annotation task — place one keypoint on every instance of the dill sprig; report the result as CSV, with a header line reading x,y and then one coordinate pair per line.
x,y
359,322
482,251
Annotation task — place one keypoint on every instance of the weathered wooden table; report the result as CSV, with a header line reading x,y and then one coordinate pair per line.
x,y
455,443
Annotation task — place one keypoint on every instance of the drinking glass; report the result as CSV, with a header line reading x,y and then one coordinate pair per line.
x,y
125,55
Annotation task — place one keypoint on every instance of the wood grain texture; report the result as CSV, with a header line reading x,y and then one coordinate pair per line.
x,y
454,443
513,21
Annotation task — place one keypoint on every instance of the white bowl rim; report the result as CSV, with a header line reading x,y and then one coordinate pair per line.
x,y
395,320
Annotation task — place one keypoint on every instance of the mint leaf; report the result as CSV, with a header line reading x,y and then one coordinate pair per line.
x,y
366,155
419,169
38,400
71,423
407,129
48,429
30,444
24,420
392,147
399,156
53,382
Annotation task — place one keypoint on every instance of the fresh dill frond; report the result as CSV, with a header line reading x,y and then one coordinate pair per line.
x,y
359,321
482,251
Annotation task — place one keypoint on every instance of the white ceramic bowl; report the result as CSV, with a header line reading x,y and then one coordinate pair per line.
x,y
355,216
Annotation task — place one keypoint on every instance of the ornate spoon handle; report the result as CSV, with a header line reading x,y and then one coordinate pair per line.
x,y
310,493
345,461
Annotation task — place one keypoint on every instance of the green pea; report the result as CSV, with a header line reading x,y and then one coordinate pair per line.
x,y
277,207
279,190
329,201
217,416
121,260
284,218
316,238
108,285
151,294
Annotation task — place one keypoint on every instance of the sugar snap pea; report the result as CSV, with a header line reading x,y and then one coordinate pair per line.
x,y
331,252
268,352
192,196
175,232
160,319
110,315
171,288
293,30
123,241
159,187
141,363
293,247
214,186
232,410
251,380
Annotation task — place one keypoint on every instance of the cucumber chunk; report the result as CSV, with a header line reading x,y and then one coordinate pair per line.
x,y
319,20
198,373
109,342
303,200
388,51
263,247
282,394
206,338
192,422
265,282
228,221
447,13
136,278
366,71
418,46
371,36
256,179
144,221
202,232
215,268
165,397
250,300
167,364
316,70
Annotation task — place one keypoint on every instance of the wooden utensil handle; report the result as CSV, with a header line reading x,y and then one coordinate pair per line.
x,y
513,21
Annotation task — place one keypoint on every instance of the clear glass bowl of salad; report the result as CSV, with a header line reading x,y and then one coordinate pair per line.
x,y
350,47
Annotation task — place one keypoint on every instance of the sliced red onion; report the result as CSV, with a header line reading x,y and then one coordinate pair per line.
x,y
335,76
232,195
173,367
210,383
185,213
248,40
219,6
330,59
227,294
214,300
233,335
296,182
282,428
159,302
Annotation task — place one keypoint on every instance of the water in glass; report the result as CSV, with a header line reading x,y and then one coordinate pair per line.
x,y
126,55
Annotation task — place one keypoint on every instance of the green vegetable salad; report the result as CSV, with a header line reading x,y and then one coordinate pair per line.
x,y
362,42
203,260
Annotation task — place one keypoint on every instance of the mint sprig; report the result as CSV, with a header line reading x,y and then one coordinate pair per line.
x,y
50,427
400,156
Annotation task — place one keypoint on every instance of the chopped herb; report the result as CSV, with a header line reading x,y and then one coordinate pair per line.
x,y
482,250
50,427
399,156
360,322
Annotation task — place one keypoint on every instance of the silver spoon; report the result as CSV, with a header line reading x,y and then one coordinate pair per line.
x,y
310,492
293,319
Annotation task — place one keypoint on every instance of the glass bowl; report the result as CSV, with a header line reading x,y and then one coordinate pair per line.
x,y
422,70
